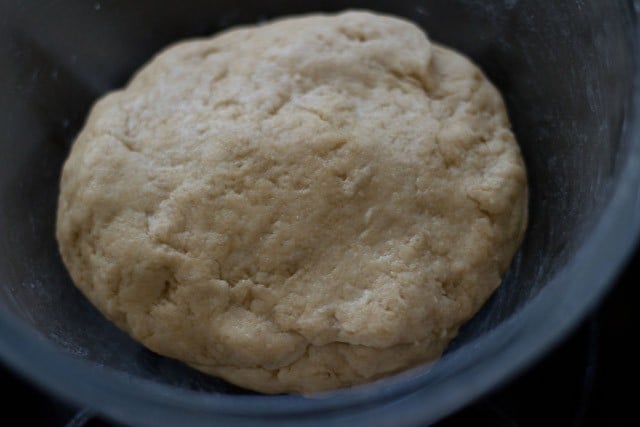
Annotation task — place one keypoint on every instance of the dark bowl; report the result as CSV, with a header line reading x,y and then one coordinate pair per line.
x,y
568,72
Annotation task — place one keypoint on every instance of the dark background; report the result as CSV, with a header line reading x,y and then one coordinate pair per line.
x,y
590,379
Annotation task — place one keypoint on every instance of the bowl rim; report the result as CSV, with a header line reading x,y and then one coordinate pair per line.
x,y
398,400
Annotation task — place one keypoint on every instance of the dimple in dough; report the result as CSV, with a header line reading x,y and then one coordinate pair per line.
x,y
298,206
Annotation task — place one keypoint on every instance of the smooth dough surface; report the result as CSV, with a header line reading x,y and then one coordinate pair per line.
x,y
299,206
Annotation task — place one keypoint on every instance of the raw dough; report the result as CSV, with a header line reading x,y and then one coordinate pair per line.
x,y
298,206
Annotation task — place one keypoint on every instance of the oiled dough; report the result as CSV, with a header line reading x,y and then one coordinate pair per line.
x,y
299,206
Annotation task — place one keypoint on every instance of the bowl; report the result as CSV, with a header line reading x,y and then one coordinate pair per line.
x,y
569,75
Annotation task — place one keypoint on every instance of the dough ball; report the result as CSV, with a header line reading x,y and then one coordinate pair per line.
x,y
298,206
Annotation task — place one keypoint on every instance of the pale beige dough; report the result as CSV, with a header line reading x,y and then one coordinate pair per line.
x,y
298,206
